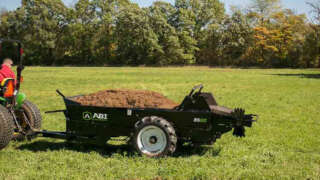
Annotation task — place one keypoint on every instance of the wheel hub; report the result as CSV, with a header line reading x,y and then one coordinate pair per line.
x,y
153,140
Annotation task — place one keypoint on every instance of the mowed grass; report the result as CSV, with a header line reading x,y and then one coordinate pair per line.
x,y
283,144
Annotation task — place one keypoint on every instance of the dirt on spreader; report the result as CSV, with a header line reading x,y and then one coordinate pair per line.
x,y
127,98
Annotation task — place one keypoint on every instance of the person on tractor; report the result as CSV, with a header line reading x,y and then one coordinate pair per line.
x,y
6,71
19,118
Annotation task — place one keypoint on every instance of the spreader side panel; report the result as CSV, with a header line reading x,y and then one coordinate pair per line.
x,y
98,121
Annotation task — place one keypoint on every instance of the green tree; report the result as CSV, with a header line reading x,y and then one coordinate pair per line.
x,y
312,44
43,24
171,50
81,29
103,41
11,28
136,42
227,43
192,19
237,38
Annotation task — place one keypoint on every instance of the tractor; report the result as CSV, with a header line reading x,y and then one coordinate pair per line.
x,y
19,118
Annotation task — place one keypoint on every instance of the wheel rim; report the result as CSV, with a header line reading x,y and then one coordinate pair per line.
x,y
152,140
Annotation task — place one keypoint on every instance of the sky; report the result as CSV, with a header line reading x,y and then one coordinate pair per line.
x,y
298,6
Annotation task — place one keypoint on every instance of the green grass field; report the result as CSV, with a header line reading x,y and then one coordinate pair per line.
x,y
283,144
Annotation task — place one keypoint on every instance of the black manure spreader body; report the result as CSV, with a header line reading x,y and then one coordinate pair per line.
x,y
153,132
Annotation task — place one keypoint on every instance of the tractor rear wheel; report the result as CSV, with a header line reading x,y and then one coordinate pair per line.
x,y
154,137
6,127
30,114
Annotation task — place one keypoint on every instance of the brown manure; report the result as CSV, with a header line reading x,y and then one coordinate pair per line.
x,y
126,98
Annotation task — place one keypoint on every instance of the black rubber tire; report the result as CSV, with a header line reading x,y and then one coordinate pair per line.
x,y
34,116
165,126
6,127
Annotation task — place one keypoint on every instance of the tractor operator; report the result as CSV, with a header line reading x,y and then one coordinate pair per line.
x,y
6,71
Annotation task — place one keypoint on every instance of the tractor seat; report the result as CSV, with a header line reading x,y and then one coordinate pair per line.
x,y
7,87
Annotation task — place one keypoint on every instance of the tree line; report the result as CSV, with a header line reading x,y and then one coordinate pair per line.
x,y
188,32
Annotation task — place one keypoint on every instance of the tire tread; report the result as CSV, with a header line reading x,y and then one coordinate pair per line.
x,y
6,127
165,125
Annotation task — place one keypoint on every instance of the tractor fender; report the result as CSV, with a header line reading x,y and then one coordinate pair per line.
x,y
20,98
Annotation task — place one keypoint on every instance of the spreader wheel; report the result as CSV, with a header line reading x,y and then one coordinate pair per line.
x,y
6,127
30,115
154,137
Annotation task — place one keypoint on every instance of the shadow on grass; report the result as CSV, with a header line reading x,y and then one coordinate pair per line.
x,y
312,76
188,150
108,150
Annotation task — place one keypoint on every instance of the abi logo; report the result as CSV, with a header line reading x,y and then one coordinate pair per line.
x,y
94,116
87,116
